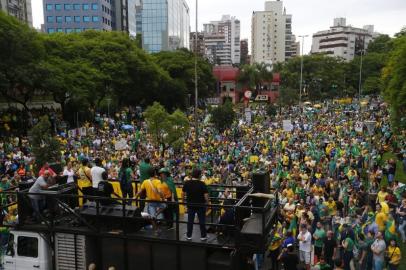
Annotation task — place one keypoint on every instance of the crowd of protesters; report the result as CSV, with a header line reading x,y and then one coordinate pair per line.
x,y
340,196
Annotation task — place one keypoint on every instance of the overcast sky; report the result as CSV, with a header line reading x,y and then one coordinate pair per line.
x,y
309,16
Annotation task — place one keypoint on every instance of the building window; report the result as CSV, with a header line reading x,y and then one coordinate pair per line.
x,y
49,6
86,7
58,19
68,6
77,18
86,18
76,6
68,19
78,30
59,30
95,6
51,30
95,19
69,30
50,19
58,7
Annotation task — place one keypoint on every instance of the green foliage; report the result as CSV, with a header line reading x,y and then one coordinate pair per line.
x,y
323,77
21,51
223,116
271,110
394,81
255,76
44,146
166,129
80,70
180,65
288,96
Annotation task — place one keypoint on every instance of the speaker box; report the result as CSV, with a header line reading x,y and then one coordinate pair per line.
x,y
260,182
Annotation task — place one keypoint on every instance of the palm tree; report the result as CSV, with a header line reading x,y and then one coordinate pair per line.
x,y
255,76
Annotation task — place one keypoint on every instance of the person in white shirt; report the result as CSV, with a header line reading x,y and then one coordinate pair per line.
x,y
97,173
69,172
305,245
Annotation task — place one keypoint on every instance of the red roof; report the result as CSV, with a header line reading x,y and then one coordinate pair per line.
x,y
225,73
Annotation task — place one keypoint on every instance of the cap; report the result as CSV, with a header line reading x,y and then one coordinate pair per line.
x,y
164,170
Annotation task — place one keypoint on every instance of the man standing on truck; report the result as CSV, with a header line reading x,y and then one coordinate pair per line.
x,y
37,201
97,173
195,192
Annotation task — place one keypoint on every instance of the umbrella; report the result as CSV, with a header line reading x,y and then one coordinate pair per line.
x,y
127,127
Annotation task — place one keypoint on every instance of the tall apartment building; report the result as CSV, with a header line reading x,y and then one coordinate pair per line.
x,y
20,9
244,51
65,16
222,41
165,25
272,37
200,43
343,40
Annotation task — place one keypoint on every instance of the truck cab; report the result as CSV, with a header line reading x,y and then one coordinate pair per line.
x,y
27,251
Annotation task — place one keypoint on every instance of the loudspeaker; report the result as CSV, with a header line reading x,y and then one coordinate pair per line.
x,y
260,182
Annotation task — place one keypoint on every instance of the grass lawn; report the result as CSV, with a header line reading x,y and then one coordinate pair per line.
x,y
401,176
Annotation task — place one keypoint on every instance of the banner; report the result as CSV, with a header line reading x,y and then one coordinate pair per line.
x,y
121,145
262,98
358,126
287,125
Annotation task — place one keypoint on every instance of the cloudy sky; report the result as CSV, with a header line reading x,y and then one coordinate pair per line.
x,y
309,16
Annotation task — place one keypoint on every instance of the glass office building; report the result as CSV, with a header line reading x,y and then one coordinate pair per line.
x,y
165,25
75,16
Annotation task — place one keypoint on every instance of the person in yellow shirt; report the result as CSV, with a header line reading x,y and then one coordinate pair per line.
x,y
380,218
382,195
394,254
152,188
288,193
331,206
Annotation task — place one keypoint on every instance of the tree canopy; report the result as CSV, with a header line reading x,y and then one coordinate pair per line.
x,y
394,80
80,71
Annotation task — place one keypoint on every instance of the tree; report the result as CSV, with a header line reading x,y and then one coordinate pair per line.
x,y
288,96
256,77
180,65
223,116
21,51
271,110
167,130
394,82
323,76
45,147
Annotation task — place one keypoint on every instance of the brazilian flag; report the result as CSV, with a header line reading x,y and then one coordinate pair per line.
x,y
390,231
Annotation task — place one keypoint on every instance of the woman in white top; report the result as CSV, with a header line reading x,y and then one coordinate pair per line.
x,y
68,171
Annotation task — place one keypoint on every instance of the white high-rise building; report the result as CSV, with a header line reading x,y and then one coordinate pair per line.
x,y
271,35
343,40
20,9
222,41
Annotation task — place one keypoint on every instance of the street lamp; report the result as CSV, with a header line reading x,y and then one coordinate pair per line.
x,y
301,72
360,78
196,91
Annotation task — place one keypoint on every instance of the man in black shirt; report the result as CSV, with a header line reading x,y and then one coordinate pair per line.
x,y
195,192
330,245
289,258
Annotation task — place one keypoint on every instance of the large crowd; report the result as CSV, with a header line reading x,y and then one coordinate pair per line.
x,y
341,203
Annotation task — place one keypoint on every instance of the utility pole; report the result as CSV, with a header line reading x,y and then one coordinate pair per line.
x,y
301,72
360,80
196,90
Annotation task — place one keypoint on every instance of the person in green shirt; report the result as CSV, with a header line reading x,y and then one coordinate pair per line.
x,y
126,175
348,256
171,209
145,167
319,235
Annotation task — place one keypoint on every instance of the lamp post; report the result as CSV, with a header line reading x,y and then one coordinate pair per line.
x,y
196,90
301,72
360,79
